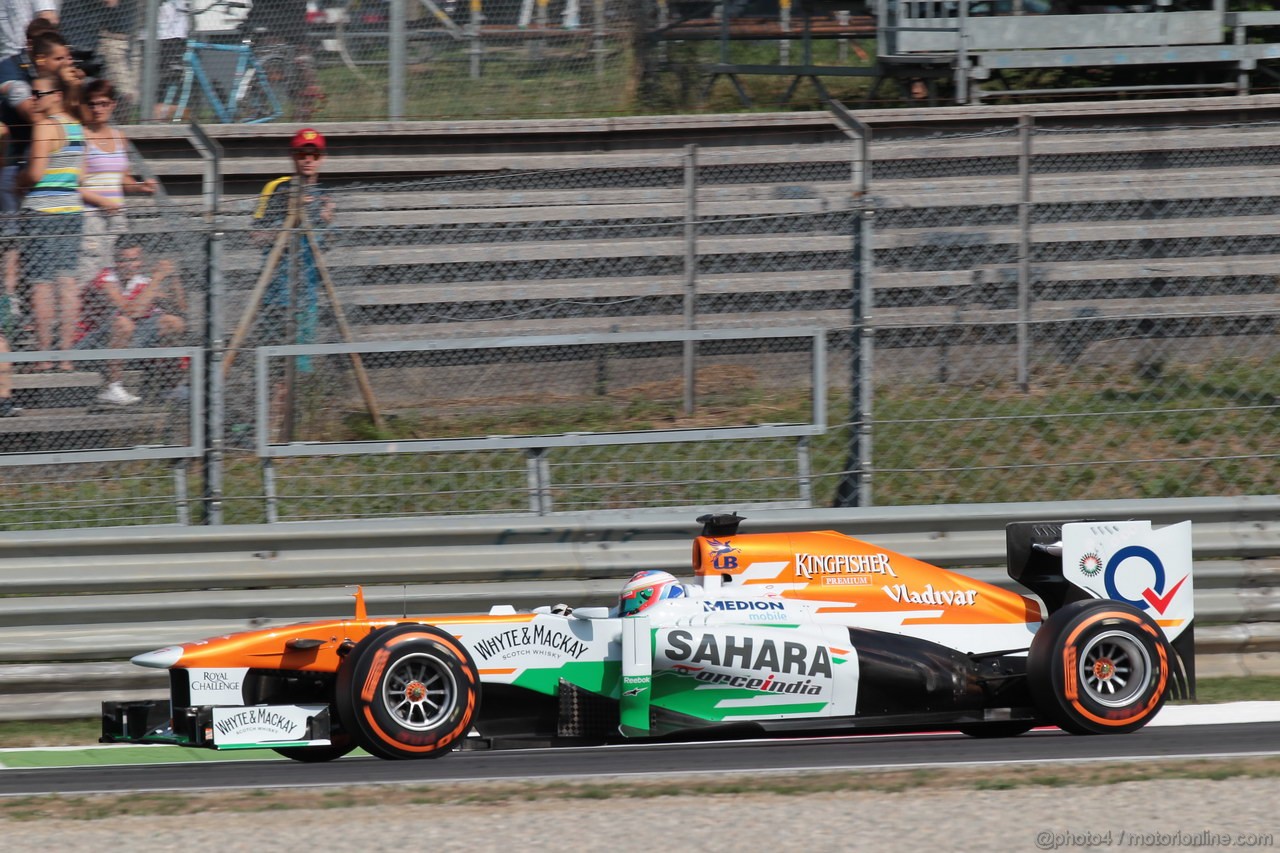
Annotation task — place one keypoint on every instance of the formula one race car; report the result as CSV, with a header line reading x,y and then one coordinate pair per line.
x,y
778,632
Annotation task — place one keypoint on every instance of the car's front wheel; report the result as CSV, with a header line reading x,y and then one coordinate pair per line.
x,y
410,691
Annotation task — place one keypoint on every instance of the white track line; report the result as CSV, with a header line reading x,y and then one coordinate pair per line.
x,y
1216,715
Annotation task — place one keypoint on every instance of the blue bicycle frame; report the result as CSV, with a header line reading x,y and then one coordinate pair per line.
x,y
247,68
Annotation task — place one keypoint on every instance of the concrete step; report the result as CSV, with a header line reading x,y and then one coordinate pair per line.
x,y
97,421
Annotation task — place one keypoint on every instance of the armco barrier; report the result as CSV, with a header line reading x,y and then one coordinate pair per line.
x,y
80,603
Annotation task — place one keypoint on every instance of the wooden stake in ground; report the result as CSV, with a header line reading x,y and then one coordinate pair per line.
x,y
297,219
255,296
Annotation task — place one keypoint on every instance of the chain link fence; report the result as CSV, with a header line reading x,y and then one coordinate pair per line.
x,y
1086,313
1054,313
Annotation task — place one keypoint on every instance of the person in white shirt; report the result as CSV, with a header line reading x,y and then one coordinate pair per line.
x,y
124,306
14,17
173,24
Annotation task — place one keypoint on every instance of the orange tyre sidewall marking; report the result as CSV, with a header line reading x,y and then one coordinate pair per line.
x,y
370,688
1069,677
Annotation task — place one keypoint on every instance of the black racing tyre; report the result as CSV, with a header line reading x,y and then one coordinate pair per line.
x,y
999,728
409,691
272,687
1099,667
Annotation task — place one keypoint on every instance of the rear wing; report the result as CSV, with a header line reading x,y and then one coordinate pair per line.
x,y
1129,561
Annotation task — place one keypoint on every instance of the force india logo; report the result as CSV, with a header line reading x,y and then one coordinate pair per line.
x,y
808,565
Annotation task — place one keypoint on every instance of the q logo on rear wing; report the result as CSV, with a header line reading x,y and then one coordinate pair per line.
x,y
1128,561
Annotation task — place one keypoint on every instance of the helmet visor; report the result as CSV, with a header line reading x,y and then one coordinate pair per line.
x,y
634,601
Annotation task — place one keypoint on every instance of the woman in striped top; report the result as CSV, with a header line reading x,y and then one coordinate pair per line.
x,y
53,214
106,179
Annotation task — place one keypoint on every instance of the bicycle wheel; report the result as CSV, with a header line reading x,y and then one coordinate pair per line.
x,y
256,101
292,76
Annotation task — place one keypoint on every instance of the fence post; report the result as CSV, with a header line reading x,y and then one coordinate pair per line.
x,y
842,44
294,254
854,488
1239,38
396,59
538,47
214,342
598,46
784,24
690,270
476,48
1024,253
150,58
664,18
538,474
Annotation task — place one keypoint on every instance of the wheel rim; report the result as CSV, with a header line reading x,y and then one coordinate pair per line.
x,y
1114,668
419,691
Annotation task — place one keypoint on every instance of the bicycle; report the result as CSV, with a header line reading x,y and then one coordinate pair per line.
x,y
292,71
357,30
230,77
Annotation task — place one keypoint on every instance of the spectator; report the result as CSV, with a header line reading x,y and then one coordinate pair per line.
x,y
308,150
7,408
52,219
47,54
106,178
15,15
103,28
284,22
172,27
570,20
118,23
79,23
124,307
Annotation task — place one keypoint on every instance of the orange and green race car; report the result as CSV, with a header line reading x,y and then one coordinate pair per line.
x,y
777,632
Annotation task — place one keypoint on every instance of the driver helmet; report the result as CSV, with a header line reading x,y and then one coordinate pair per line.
x,y
646,589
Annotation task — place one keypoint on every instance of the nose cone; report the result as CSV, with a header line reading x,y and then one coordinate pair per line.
x,y
160,658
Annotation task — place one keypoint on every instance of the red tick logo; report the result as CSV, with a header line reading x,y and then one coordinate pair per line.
x,y
1161,602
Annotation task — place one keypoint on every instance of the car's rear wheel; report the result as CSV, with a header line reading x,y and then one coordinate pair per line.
x,y
410,691
1099,667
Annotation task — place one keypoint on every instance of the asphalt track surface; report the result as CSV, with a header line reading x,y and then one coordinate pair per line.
x,y
796,754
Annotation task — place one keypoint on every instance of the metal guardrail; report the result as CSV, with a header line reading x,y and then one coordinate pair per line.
x,y
79,603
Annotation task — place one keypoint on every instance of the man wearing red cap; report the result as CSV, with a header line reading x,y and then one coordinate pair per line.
x,y
307,149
